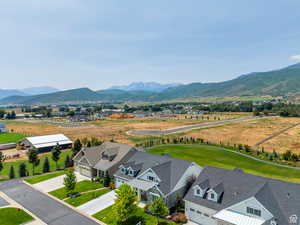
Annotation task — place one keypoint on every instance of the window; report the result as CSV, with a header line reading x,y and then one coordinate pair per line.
x,y
130,172
150,178
192,210
252,211
198,192
212,196
206,215
199,212
123,170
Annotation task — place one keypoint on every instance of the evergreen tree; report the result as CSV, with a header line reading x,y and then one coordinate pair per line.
x,y
76,147
46,166
22,170
106,180
56,155
68,162
11,172
33,158
159,209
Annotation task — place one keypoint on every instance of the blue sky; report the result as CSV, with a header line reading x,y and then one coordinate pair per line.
x,y
97,44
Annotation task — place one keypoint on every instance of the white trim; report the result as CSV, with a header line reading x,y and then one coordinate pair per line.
x,y
150,169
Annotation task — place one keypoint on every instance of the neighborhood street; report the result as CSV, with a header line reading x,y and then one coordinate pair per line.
x,y
44,207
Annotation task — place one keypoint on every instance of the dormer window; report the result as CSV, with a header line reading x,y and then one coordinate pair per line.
x,y
151,178
198,192
212,196
123,170
253,211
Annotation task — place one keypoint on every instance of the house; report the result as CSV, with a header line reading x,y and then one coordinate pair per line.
x,y
232,197
96,161
154,176
2,128
46,143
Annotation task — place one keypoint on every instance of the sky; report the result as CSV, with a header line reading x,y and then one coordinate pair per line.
x,y
94,43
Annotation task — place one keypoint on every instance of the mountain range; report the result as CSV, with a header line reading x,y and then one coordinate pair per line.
x,y
27,91
147,86
282,82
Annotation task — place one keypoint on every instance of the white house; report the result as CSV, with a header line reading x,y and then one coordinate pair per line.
x,y
2,128
232,197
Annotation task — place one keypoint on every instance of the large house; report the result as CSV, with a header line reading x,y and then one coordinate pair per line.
x,y
232,197
156,176
2,128
46,143
106,158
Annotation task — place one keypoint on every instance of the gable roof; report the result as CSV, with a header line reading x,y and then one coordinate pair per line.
x,y
168,169
105,156
281,198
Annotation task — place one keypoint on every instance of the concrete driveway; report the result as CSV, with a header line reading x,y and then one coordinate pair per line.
x,y
56,183
44,207
98,204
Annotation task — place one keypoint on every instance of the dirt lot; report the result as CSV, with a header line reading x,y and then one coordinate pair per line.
x,y
252,132
106,129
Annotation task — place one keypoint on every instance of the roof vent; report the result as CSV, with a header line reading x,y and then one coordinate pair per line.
x,y
288,195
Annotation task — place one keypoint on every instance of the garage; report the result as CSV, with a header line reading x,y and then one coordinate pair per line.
x,y
85,171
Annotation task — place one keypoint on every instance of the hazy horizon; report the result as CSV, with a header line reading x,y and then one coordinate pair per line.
x,y
98,44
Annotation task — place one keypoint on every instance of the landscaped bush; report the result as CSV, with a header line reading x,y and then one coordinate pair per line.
x,y
179,218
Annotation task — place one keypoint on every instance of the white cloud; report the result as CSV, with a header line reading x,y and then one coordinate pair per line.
x,y
295,57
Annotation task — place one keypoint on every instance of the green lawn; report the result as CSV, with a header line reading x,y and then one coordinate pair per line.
x,y
80,200
81,186
206,155
13,216
38,170
11,137
107,216
37,179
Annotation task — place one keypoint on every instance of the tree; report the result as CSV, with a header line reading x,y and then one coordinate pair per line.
x,y
22,170
68,162
70,182
106,180
125,203
46,165
1,161
56,155
159,209
11,172
76,147
33,159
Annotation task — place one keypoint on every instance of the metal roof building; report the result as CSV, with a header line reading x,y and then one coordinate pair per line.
x,y
47,142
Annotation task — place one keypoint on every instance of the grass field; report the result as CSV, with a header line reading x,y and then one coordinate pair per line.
x,y
86,197
37,179
13,216
107,216
205,155
252,132
38,170
81,186
11,137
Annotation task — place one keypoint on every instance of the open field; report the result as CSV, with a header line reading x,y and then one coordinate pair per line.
x,y
206,155
252,132
110,129
11,137
13,216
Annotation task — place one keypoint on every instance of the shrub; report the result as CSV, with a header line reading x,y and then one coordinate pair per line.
x,y
179,218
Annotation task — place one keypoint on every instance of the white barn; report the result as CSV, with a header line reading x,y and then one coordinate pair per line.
x,y
47,142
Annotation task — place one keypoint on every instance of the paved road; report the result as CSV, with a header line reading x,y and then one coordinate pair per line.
x,y
3,202
47,209
188,127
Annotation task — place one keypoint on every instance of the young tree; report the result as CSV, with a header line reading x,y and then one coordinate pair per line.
x,y
68,162
125,203
1,161
70,182
46,165
106,180
12,173
22,170
32,155
76,147
159,209
56,155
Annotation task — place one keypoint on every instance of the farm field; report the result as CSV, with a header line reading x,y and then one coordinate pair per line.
x,y
112,129
252,132
206,155
11,137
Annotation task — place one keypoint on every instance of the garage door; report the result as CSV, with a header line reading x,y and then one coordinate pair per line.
x,y
85,172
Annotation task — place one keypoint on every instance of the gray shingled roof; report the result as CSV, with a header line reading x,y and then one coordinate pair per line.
x,y
281,198
168,169
94,155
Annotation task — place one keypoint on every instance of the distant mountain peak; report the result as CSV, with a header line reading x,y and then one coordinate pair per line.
x,y
145,86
